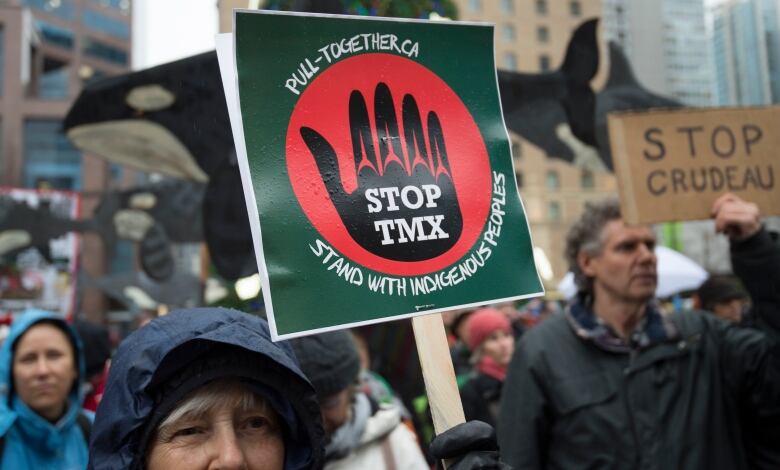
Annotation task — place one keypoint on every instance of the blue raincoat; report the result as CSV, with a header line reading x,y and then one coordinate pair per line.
x,y
159,351
31,441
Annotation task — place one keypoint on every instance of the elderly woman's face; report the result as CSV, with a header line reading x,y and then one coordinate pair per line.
x,y
227,430
44,370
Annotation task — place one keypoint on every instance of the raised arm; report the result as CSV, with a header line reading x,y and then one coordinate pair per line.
x,y
755,257
752,358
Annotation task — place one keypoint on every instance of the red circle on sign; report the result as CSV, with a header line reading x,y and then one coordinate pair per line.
x,y
324,107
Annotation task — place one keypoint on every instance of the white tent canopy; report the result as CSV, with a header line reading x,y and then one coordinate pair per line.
x,y
676,273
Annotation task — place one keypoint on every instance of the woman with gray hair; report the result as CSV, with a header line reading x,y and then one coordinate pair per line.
x,y
206,388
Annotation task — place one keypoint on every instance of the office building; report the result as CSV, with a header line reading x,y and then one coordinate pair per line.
x,y
667,43
746,50
50,49
531,37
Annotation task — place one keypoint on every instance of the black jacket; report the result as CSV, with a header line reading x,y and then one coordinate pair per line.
x,y
752,261
480,397
680,403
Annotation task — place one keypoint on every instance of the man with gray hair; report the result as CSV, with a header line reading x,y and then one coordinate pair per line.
x,y
614,383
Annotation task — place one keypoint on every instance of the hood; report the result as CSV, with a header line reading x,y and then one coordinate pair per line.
x,y
380,424
20,326
167,345
369,424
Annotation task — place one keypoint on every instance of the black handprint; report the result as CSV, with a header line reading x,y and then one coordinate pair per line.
x,y
404,207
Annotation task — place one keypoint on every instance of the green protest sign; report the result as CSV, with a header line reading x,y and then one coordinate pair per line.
x,y
378,167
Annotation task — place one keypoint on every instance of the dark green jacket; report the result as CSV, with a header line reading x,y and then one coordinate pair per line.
x,y
678,404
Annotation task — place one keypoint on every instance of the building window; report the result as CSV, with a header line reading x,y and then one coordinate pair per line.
x,y
122,5
587,180
519,178
508,32
104,51
575,8
541,7
507,7
2,59
553,182
90,75
542,34
55,35
61,8
49,158
554,211
544,63
510,61
106,24
53,82
475,6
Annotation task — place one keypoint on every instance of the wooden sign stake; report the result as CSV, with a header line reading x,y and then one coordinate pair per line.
x,y
439,375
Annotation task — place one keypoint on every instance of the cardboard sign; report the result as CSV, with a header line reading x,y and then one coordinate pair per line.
x,y
377,169
672,165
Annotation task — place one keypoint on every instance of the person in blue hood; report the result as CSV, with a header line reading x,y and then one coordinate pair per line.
x,y
42,423
206,388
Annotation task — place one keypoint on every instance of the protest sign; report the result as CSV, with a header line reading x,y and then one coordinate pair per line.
x,y
376,168
672,165
39,251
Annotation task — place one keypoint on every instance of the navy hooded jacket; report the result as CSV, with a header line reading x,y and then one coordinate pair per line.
x,y
164,347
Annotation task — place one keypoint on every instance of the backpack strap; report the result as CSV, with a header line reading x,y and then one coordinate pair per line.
x,y
85,424
387,454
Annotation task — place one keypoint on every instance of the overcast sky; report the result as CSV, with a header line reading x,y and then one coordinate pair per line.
x,y
166,30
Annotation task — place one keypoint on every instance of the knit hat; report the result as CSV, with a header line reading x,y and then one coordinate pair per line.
x,y
329,360
718,289
482,323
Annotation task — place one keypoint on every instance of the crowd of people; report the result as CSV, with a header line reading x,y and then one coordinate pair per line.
x,y
611,380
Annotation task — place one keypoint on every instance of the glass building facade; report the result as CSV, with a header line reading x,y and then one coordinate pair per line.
x,y
49,157
62,46
745,51
55,35
667,44
101,50
105,24
62,8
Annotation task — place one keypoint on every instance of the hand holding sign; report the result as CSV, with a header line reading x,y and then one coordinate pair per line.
x,y
735,217
405,206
